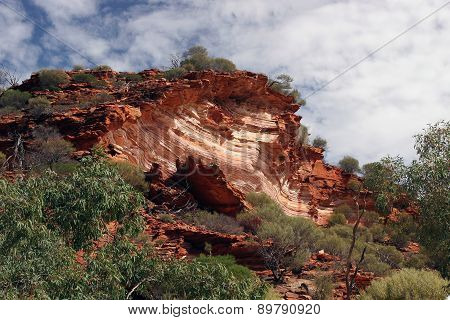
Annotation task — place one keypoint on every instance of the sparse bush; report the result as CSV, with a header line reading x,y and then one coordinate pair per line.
x,y
264,209
373,264
209,277
49,147
333,244
250,220
14,99
66,167
408,284
84,78
416,261
369,218
9,111
291,240
354,185
52,78
132,174
403,231
399,239
378,232
324,287
39,106
99,98
283,85
132,77
213,221
102,67
222,64
89,79
165,217
346,232
346,210
337,218
389,255
78,67
349,164
174,73
198,57
320,142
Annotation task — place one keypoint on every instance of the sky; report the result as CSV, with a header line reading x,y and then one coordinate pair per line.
x,y
369,112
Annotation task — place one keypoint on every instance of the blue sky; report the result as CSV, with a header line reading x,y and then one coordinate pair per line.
x,y
371,111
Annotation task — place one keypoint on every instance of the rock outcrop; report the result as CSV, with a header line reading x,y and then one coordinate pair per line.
x,y
215,135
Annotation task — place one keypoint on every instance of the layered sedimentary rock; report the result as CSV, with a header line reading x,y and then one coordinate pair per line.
x,y
216,135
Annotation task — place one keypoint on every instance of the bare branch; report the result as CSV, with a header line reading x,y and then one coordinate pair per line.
x,y
8,78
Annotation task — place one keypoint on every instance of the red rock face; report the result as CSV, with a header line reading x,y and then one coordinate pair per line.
x,y
233,134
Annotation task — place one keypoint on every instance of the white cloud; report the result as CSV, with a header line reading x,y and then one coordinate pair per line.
x,y
371,111
66,10
16,50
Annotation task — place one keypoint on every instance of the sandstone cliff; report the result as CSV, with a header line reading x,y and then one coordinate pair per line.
x,y
209,137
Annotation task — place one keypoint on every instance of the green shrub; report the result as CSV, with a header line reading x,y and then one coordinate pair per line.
x,y
84,78
346,210
222,64
197,57
204,278
403,231
324,287
39,106
14,99
333,244
373,264
320,142
49,147
416,261
370,218
213,221
272,294
47,268
95,194
389,255
343,231
283,85
174,73
9,111
52,78
89,79
132,174
408,284
263,209
99,98
346,232
378,232
349,164
102,67
65,168
165,217
337,218
78,67
132,77
291,239
399,239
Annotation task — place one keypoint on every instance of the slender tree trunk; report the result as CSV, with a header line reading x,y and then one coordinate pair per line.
x,y
349,281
